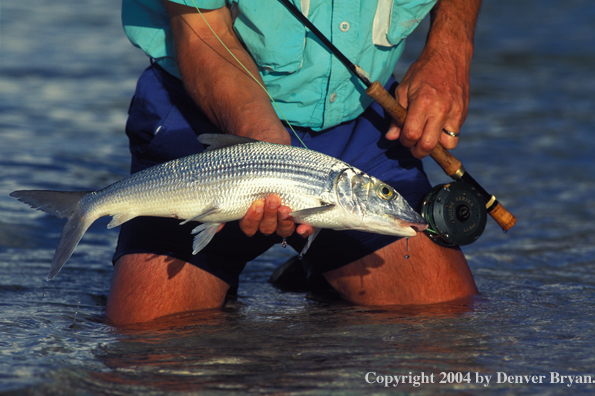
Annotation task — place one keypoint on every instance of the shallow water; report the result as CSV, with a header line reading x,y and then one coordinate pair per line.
x,y
66,76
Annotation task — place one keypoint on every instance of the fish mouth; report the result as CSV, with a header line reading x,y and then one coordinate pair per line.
x,y
417,227
414,221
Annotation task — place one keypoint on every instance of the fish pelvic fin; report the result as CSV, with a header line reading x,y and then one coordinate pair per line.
x,y
209,211
62,204
204,233
120,218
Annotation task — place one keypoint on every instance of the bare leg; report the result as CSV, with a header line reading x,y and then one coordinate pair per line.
x,y
148,286
432,274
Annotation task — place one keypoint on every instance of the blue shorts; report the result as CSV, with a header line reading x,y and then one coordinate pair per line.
x,y
163,124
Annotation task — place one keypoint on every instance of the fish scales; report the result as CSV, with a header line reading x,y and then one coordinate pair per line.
x,y
230,178
248,172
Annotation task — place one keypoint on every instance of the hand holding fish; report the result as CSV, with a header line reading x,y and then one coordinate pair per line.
x,y
269,216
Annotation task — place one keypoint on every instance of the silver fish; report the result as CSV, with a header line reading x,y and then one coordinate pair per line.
x,y
219,185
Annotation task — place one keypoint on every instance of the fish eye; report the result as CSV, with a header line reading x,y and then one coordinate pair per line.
x,y
385,192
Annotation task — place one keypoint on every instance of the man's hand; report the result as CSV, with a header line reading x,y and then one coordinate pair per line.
x,y
434,101
435,89
268,216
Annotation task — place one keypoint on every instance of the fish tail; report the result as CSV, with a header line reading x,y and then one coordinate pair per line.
x,y
62,204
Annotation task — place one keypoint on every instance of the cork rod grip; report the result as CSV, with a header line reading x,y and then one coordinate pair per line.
x,y
448,162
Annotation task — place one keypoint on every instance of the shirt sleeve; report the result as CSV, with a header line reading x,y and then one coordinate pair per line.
x,y
204,4
147,25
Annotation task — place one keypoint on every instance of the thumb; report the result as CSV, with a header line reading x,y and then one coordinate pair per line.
x,y
394,132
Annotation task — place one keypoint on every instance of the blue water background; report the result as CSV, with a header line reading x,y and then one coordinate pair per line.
x,y
67,73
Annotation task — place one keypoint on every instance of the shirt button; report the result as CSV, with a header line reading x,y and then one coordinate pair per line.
x,y
344,26
333,98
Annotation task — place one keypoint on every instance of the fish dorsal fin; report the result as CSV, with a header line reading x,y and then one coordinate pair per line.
x,y
219,140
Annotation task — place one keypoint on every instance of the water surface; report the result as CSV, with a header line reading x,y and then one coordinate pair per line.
x,y
67,73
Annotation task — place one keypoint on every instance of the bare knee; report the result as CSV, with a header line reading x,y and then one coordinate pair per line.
x,y
148,286
420,273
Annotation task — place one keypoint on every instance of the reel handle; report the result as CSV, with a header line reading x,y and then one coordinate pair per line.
x,y
503,217
448,162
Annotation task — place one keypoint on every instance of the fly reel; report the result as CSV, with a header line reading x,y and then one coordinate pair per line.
x,y
456,214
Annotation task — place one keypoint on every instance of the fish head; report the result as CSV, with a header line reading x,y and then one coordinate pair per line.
x,y
371,205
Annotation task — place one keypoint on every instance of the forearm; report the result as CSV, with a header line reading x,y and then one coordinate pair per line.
x,y
221,88
451,35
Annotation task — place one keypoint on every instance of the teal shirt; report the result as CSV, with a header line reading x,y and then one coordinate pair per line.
x,y
310,86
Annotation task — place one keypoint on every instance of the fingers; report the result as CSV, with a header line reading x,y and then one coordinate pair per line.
x,y
423,137
285,224
269,221
422,134
428,119
304,230
276,218
449,137
268,217
251,221
394,132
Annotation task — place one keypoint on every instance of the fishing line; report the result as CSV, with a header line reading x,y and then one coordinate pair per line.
x,y
249,73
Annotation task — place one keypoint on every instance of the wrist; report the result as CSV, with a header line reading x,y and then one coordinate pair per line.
x,y
272,135
256,120
452,28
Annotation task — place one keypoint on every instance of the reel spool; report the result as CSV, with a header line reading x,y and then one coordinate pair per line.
x,y
456,214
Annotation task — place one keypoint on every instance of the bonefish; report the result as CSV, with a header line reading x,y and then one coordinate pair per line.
x,y
219,185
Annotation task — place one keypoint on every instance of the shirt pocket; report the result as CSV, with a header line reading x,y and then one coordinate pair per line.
x,y
274,37
396,19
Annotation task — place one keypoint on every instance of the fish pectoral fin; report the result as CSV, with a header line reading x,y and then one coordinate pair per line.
x,y
209,211
204,233
310,240
119,219
219,140
312,211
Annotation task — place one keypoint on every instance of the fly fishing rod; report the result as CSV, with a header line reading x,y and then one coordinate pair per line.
x,y
449,163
